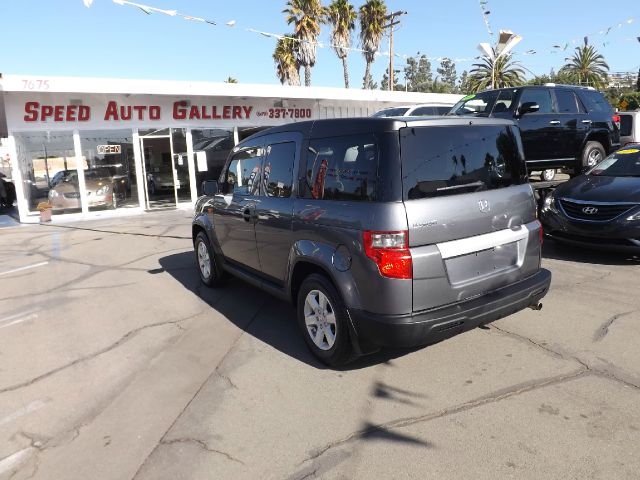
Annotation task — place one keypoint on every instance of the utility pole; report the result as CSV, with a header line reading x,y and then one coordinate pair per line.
x,y
392,22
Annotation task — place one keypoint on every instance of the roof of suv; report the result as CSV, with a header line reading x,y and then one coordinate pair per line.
x,y
350,126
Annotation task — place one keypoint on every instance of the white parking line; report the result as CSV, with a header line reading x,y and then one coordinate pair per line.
x,y
24,268
10,462
18,318
32,407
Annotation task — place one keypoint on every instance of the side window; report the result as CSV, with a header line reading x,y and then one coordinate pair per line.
x,y
541,96
243,174
566,101
422,111
595,101
277,174
342,168
504,101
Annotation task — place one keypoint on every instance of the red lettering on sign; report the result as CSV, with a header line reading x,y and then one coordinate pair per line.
x,y
125,112
71,113
194,113
179,110
226,112
31,110
140,109
59,113
112,111
84,113
45,112
237,112
205,115
247,111
154,112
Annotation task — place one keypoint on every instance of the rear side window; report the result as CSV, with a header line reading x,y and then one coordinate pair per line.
x,y
342,168
440,161
391,112
595,101
626,124
422,111
566,101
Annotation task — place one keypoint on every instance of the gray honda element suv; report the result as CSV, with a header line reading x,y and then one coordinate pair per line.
x,y
382,231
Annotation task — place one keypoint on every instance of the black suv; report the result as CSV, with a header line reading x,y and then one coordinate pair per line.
x,y
382,231
562,126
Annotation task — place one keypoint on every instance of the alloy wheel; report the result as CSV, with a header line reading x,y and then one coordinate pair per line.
x,y
204,261
594,158
320,320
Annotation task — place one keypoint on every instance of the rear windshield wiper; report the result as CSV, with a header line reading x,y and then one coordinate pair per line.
x,y
477,184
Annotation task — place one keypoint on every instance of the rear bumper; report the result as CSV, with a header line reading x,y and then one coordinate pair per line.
x,y
430,326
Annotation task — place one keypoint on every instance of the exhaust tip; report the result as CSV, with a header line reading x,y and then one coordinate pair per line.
x,y
536,306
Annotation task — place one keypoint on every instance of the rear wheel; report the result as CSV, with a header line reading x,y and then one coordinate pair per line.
x,y
592,154
210,272
548,174
322,317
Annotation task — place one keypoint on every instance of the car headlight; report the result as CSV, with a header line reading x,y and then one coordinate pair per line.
x,y
549,203
634,217
102,190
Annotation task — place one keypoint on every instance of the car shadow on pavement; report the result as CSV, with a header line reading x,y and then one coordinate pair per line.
x,y
560,251
266,318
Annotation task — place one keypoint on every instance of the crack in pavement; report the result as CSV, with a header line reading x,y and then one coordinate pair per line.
x,y
604,328
137,234
125,338
215,372
203,445
566,356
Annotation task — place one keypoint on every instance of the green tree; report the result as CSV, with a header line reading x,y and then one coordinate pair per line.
x,y
231,80
342,17
463,83
586,67
306,16
418,74
448,76
372,21
287,65
504,72
384,84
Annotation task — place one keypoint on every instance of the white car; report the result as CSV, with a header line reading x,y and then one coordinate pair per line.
x,y
418,110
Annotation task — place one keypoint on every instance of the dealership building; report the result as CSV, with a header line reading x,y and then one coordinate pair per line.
x,y
95,147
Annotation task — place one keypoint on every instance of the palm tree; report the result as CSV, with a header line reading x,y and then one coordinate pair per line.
x,y
372,20
587,67
342,16
231,80
503,72
287,66
306,16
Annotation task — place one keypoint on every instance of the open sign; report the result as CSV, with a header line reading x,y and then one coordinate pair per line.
x,y
109,149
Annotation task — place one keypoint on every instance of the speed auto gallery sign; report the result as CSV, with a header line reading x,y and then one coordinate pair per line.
x,y
65,110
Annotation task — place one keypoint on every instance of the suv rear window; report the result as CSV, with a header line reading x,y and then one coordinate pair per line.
x,y
449,160
626,122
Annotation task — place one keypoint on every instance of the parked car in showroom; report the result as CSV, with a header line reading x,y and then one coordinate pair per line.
x,y
601,208
161,180
417,110
562,126
102,190
382,231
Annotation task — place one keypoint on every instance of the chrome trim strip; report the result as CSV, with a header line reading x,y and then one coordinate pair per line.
x,y
580,202
583,202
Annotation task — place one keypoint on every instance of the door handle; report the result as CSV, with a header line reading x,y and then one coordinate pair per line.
x,y
555,122
246,214
586,121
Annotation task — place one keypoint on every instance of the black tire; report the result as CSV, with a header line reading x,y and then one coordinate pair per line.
x,y
548,175
592,154
208,268
340,351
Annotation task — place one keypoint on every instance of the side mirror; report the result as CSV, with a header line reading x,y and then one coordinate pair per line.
x,y
210,188
528,107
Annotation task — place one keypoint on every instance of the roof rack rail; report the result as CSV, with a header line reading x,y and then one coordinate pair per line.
x,y
550,84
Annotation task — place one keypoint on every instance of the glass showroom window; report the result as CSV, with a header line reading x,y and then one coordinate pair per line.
x,y
110,175
49,171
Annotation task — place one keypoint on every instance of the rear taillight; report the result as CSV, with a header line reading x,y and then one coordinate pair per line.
x,y
390,252
616,119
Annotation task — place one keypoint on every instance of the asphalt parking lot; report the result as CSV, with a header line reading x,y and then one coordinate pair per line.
x,y
115,363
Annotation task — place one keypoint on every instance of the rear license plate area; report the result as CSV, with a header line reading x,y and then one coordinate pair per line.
x,y
482,264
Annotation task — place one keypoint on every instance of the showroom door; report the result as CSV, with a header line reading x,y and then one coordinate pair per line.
x,y
159,169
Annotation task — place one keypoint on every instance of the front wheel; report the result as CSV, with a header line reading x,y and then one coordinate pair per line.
x,y
210,272
548,174
322,318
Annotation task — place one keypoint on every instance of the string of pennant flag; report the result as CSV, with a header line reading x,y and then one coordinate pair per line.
x,y
484,6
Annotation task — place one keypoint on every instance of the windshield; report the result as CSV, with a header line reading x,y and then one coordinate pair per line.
x,y
623,163
479,104
391,112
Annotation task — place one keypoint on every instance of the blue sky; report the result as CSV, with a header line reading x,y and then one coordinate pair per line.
x,y
63,37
